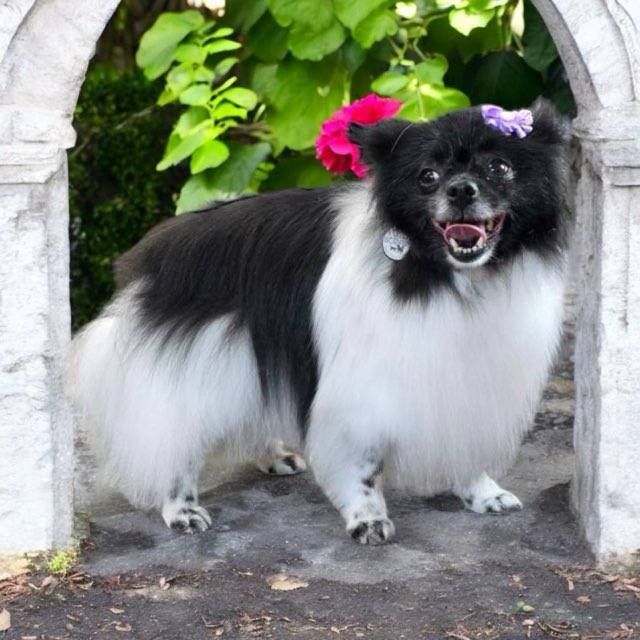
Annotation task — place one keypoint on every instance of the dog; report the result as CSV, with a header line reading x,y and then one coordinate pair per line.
x,y
399,328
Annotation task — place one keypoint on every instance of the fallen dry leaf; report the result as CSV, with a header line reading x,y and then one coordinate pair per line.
x,y
5,620
123,626
583,599
281,582
116,610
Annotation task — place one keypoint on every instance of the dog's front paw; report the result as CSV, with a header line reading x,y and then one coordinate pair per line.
x,y
187,519
372,531
500,503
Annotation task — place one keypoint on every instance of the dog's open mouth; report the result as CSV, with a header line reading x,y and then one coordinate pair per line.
x,y
468,240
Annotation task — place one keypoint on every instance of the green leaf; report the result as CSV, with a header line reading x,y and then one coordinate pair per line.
x,y
432,71
539,48
225,65
198,94
301,95
441,100
353,12
466,20
389,83
354,55
217,46
167,96
503,78
228,110
159,43
309,44
483,5
243,14
268,39
315,14
432,102
210,155
241,97
230,179
191,53
203,74
224,86
221,33
374,27
183,149
190,119
179,78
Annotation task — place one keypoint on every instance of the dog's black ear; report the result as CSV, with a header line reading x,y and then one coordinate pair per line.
x,y
377,141
549,125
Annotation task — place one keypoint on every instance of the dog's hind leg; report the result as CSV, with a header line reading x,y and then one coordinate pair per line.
x,y
279,460
180,509
485,495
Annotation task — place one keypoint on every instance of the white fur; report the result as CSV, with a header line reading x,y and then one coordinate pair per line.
x,y
155,412
442,390
485,495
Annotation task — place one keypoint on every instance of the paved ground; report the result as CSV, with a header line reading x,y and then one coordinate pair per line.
x,y
448,574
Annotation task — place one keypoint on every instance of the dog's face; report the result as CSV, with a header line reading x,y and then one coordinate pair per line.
x,y
464,192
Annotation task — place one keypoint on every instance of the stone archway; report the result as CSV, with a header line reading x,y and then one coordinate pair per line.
x,y
45,47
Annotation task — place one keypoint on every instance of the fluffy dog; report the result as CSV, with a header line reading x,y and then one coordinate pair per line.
x,y
398,328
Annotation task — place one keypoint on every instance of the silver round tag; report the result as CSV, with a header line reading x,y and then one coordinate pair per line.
x,y
395,244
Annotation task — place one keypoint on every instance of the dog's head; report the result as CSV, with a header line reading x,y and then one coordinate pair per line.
x,y
464,192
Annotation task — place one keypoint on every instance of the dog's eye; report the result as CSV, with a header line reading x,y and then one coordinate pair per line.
x,y
499,168
428,178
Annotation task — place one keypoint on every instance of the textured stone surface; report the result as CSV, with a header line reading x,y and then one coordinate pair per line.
x,y
45,47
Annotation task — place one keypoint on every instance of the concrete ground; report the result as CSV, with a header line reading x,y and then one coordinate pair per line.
x,y
277,564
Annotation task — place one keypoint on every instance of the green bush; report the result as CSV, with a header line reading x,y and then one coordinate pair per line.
x,y
116,195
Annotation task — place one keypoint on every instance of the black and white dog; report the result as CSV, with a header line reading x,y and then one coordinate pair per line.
x,y
401,327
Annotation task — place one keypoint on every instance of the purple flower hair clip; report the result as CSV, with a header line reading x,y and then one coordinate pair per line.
x,y
519,123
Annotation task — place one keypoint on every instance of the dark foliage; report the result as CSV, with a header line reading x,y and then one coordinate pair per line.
x,y
115,193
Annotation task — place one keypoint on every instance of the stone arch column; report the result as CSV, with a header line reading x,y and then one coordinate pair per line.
x,y
45,46
599,42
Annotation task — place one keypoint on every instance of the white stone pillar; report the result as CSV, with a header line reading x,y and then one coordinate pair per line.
x,y
606,490
36,433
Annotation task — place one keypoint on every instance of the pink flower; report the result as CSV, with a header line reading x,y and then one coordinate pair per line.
x,y
334,149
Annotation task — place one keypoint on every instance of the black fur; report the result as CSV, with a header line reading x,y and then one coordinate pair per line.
x,y
258,258
462,144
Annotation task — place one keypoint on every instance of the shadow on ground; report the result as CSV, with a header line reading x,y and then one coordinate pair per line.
x,y
448,574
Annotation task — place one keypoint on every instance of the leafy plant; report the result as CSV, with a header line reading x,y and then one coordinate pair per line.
x,y
256,84
194,57
115,194
61,562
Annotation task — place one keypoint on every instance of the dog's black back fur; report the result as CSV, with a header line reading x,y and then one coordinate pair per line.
x,y
261,263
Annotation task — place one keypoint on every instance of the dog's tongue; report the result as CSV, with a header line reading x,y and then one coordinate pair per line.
x,y
464,232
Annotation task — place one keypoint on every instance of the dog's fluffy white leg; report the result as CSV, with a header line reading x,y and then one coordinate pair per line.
x,y
180,509
485,495
352,480
279,460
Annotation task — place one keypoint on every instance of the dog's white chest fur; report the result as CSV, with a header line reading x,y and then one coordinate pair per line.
x,y
446,387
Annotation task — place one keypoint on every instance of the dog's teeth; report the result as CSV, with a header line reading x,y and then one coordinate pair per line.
x,y
480,244
489,224
454,244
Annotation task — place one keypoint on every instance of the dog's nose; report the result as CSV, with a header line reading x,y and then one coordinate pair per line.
x,y
462,192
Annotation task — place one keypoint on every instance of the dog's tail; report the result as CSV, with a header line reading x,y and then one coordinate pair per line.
x,y
123,393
